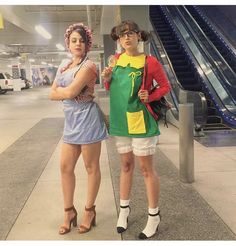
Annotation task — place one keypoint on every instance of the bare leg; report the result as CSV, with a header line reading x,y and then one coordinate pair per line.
x,y
126,175
151,180
126,178
153,189
91,154
69,156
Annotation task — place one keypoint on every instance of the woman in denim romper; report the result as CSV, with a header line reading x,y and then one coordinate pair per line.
x,y
84,126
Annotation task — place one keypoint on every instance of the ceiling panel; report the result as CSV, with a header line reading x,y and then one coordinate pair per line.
x,y
55,18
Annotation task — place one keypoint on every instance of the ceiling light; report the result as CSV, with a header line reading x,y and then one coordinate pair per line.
x,y
43,32
32,60
60,47
16,44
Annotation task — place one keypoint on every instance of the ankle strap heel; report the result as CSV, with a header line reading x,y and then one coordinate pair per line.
x,y
125,206
91,208
63,229
84,229
71,208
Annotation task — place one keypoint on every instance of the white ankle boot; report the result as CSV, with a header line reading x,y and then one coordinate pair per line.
x,y
153,222
122,222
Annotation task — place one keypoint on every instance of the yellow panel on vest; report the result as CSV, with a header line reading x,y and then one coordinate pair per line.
x,y
136,123
1,22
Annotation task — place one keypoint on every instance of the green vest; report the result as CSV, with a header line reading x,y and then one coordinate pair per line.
x,y
129,117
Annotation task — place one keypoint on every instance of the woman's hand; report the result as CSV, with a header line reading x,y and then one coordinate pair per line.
x,y
143,95
106,73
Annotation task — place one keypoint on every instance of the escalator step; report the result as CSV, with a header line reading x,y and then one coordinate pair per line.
x,y
214,127
175,57
185,74
169,42
192,87
174,52
179,63
165,38
163,29
214,119
168,33
187,81
159,25
172,47
181,68
157,18
210,103
211,111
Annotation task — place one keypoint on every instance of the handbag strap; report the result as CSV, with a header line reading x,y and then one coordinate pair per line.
x,y
143,86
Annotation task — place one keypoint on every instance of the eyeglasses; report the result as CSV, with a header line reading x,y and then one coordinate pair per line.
x,y
128,34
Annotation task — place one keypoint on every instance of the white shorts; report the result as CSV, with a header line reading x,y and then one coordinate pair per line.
x,y
139,146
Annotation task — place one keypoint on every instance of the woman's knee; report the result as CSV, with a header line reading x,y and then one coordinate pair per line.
x,y
92,168
127,166
148,172
66,167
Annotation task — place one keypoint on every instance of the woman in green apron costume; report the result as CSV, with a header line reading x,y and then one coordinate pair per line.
x,y
132,125
133,120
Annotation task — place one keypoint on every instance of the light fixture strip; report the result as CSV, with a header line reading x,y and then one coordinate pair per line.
x,y
60,47
43,32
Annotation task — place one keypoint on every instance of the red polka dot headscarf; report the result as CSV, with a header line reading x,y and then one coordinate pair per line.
x,y
83,30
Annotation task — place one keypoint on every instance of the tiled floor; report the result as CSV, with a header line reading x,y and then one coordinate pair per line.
x,y
215,174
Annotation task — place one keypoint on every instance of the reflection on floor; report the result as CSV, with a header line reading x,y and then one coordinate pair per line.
x,y
218,139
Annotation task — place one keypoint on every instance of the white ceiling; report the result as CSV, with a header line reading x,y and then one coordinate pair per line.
x,y
20,20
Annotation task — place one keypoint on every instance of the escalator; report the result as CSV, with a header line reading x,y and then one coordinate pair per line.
x,y
180,62
218,42
185,69
177,94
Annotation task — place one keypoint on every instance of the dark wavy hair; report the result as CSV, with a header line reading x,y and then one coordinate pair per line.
x,y
83,30
128,25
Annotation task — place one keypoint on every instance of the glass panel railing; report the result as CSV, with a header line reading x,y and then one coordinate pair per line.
x,y
197,50
218,63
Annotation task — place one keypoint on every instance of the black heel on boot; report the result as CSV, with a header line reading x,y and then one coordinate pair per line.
x,y
121,229
142,235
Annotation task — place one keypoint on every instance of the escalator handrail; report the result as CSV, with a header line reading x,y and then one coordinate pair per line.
x,y
223,110
198,43
200,95
216,30
166,55
174,98
199,118
222,59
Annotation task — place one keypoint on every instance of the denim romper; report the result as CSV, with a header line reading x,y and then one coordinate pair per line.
x,y
84,122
